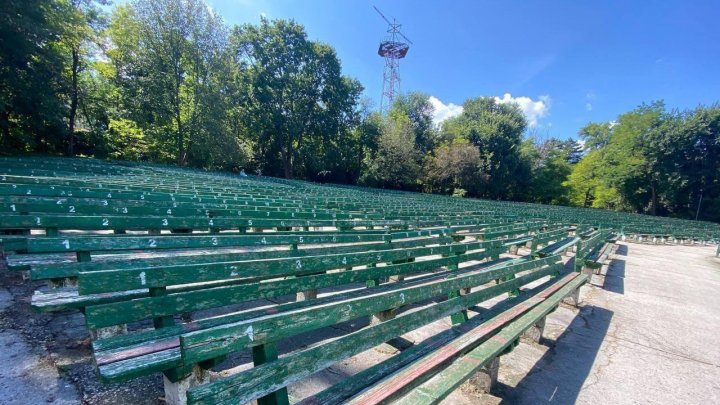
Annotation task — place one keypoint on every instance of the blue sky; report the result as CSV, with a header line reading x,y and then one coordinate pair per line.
x,y
566,62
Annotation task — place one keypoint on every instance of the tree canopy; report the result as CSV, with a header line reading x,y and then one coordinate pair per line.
x,y
170,81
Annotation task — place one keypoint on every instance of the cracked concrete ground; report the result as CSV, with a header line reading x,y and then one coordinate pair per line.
x,y
646,333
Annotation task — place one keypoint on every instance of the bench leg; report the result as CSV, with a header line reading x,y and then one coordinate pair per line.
x,y
306,295
61,282
535,332
513,249
110,331
574,298
485,378
176,392
263,354
382,316
588,270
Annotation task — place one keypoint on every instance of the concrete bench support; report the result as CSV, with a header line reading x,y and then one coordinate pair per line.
x,y
573,299
110,331
306,295
382,316
62,282
513,249
176,392
535,332
486,378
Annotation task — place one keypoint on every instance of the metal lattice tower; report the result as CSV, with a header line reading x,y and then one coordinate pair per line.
x,y
392,49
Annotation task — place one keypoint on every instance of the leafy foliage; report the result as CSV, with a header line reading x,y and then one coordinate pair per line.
x,y
169,80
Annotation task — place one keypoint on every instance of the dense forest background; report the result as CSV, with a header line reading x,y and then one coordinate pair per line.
x,y
170,81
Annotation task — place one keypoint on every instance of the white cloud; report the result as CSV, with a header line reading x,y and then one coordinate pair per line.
x,y
533,109
588,106
263,15
442,111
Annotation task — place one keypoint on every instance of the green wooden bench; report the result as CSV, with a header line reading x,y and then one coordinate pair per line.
x,y
179,349
558,247
593,252
66,295
428,377
266,380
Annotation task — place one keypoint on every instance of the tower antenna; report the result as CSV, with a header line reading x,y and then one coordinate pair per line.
x,y
393,48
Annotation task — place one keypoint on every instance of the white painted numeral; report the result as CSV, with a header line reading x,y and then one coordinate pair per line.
x,y
152,243
165,222
12,206
72,209
214,241
298,264
37,220
105,222
66,243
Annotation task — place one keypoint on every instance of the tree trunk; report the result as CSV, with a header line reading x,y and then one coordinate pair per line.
x,y
73,99
5,127
653,201
182,155
287,163
697,213
587,198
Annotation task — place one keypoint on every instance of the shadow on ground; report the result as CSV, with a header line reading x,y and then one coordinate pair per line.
x,y
615,275
560,374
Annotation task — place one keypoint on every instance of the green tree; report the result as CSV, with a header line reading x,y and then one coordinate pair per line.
x,y
83,20
630,158
455,166
169,61
298,103
587,185
497,131
417,107
596,135
31,66
397,161
550,165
